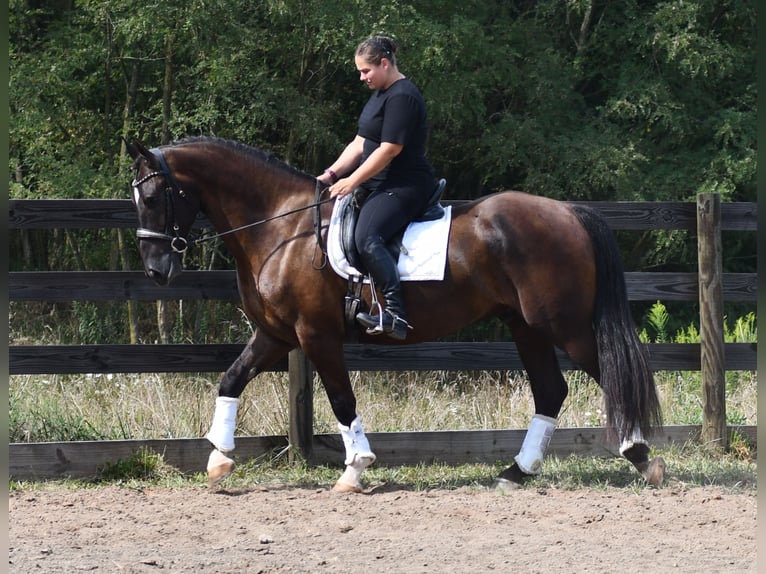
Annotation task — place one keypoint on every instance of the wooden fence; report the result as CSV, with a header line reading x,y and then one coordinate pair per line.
x,y
708,217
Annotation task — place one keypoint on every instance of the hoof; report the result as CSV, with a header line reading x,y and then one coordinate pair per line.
x,y
219,466
655,471
345,488
512,478
505,485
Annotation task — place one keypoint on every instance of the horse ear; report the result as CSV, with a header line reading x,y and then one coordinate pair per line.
x,y
138,149
131,149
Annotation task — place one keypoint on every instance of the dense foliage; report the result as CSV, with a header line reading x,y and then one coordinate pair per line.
x,y
576,99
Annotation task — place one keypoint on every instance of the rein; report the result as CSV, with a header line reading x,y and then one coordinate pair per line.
x,y
204,238
178,242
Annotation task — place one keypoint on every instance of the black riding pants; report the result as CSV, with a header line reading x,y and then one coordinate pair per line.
x,y
385,213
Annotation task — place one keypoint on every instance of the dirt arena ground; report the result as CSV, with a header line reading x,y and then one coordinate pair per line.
x,y
288,529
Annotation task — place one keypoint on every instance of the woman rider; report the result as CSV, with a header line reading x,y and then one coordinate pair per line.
x,y
387,159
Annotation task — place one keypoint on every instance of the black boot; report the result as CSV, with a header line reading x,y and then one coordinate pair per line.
x,y
382,267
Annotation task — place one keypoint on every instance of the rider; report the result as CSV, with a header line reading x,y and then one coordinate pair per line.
x,y
387,159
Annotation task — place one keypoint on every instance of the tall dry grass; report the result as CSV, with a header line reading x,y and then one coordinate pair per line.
x,y
148,406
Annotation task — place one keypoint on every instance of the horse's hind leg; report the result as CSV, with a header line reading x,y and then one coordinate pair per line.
x,y
260,353
549,389
634,448
637,452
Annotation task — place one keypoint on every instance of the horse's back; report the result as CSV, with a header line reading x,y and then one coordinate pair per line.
x,y
526,224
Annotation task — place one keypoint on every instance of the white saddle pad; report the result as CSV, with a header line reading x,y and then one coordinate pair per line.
x,y
425,242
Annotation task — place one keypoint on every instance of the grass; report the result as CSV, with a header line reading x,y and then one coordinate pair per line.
x,y
151,406
689,466
171,406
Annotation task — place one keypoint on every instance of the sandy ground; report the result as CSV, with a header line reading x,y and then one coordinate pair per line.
x,y
288,529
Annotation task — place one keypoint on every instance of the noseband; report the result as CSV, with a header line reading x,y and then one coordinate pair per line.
x,y
178,242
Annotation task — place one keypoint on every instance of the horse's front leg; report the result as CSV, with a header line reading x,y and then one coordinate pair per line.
x,y
359,456
327,357
260,353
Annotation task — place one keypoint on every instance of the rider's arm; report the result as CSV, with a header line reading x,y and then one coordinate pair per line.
x,y
347,161
372,166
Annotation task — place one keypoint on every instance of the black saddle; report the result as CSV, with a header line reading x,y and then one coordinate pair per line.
x,y
350,212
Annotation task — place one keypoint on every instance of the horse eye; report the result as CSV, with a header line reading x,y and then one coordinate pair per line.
x,y
149,200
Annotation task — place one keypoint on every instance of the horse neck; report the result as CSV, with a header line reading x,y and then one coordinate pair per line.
x,y
236,191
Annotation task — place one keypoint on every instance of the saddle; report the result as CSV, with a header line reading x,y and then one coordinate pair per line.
x,y
348,217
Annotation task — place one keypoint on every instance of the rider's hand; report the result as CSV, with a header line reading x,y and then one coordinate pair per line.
x,y
325,179
342,187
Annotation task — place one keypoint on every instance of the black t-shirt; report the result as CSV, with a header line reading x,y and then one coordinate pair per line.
x,y
398,115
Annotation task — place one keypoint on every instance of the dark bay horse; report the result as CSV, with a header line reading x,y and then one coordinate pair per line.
x,y
549,269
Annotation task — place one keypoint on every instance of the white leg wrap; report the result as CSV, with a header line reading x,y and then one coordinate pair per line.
x,y
535,445
356,443
635,438
221,432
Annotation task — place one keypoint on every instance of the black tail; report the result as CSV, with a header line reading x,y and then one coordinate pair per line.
x,y
625,376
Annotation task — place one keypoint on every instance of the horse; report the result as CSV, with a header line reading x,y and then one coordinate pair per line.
x,y
548,269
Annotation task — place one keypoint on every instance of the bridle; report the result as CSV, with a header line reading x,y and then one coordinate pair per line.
x,y
179,243
172,233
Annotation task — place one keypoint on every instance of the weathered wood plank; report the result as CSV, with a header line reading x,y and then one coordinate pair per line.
x,y
73,359
222,285
740,216
637,215
489,446
504,356
119,286
71,213
650,286
120,213
34,461
713,370
84,459
301,404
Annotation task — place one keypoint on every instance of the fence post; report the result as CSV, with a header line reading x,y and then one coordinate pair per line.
x,y
300,432
711,321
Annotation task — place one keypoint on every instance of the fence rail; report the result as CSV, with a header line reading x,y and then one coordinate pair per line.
x,y
121,214
82,459
221,285
209,358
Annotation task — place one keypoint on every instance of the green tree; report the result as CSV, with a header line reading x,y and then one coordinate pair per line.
x,y
578,100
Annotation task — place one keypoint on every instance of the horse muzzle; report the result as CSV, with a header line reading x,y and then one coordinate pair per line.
x,y
163,269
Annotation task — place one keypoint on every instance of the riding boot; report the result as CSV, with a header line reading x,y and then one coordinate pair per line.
x,y
382,268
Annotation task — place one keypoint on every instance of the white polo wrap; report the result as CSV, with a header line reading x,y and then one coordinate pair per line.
x,y
356,442
535,445
636,437
221,432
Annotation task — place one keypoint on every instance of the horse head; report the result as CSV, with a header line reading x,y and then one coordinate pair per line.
x,y
165,213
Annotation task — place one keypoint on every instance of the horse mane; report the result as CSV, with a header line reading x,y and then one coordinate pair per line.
x,y
254,154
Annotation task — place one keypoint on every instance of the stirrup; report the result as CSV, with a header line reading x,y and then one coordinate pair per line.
x,y
384,322
373,322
